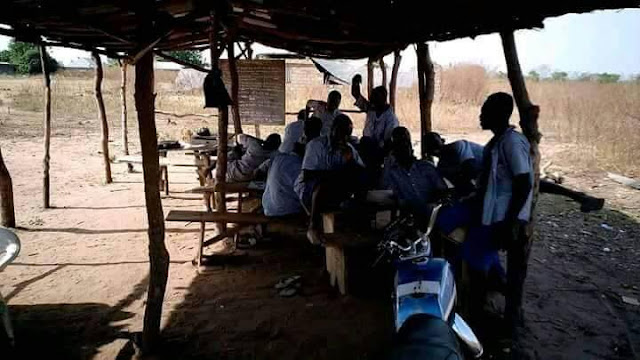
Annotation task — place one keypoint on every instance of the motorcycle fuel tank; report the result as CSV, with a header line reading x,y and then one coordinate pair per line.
x,y
423,286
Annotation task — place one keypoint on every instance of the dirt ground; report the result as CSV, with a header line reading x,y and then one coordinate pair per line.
x,y
78,288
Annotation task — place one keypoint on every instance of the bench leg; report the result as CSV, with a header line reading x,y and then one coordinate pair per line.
x,y
328,223
198,258
166,181
336,267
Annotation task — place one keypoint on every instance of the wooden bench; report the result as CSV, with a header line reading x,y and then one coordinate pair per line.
x,y
242,220
164,163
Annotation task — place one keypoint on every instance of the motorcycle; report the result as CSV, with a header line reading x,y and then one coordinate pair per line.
x,y
424,296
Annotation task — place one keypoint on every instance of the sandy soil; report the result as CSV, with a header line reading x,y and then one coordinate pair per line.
x,y
78,288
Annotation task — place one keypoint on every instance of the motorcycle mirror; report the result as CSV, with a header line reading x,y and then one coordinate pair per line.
x,y
464,332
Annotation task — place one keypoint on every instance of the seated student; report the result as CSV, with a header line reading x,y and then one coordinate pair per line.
x,y
326,111
249,154
378,125
293,132
459,162
416,183
330,171
279,198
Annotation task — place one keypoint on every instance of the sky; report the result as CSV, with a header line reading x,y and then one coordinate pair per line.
x,y
602,41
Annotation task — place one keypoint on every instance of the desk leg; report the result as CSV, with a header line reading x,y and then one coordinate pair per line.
x,y
166,180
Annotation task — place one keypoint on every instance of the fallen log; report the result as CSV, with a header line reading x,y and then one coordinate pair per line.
x,y
634,184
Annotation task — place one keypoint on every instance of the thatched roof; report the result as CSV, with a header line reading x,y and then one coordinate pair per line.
x,y
321,28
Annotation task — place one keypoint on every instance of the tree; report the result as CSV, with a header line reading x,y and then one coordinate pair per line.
x,y
607,78
26,58
559,76
534,76
190,56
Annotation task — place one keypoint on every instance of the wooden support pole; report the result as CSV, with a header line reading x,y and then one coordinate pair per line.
x,y
426,78
233,74
123,102
394,78
158,254
7,212
223,124
528,115
249,49
102,114
370,78
46,199
383,69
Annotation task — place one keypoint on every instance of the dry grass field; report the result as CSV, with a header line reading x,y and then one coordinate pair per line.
x,y
598,124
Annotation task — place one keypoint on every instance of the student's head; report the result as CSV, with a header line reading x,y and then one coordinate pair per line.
x,y
434,143
302,114
312,128
379,97
272,142
333,100
496,111
341,129
401,146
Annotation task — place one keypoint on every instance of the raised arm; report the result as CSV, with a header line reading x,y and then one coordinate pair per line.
x,y
361,102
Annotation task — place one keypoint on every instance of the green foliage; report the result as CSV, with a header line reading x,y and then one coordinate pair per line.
x,y
190,56
26,58
607,78
534,76
559,76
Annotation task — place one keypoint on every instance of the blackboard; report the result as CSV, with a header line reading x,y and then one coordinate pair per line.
x,y
261,90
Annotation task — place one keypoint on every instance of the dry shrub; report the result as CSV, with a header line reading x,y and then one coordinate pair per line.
x,y
602,119
463,84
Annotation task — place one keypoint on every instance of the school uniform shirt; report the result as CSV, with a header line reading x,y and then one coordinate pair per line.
x,y
378,128
243,169
456,153
319,156
292,134
327,118
416,187
279,198
505,156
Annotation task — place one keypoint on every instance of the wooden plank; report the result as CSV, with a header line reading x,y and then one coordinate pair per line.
x,y
216,217
634,184
137,159
102,114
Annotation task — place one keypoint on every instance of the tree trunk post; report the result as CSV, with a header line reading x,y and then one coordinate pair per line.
x,y
426,78
7,212
528,115
235,86
158,254
370,78
123,102
102,114
223,124
383,69
397,58
46,200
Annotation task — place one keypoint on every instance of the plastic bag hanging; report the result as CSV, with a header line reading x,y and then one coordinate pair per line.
x,y
215,93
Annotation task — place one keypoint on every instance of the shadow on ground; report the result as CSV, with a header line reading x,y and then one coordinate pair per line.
x,y
235,312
